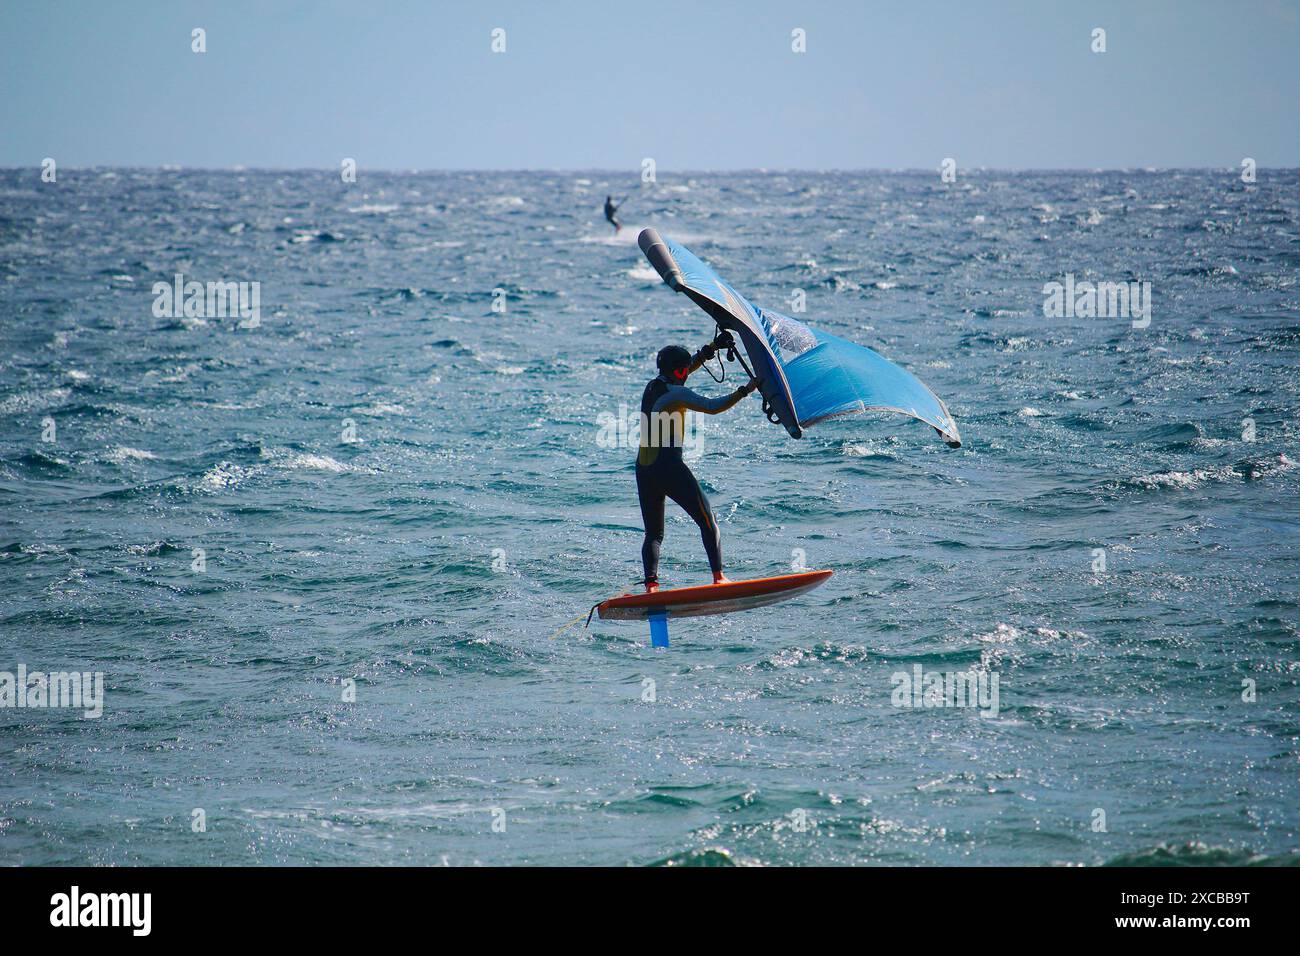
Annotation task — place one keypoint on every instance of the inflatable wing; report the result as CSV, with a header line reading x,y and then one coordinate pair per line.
x,y
805,375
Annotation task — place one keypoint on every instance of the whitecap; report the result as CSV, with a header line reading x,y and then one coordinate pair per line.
x,y
381,408
224,476
34,401
125,453
316,462
863,450
1184,480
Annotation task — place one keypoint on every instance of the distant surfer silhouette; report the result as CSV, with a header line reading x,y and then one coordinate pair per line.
x,y
610,209
660,470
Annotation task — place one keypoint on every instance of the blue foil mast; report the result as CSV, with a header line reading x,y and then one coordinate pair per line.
x,y
659,630
805,375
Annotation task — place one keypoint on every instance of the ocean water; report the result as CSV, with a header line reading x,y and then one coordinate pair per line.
x,y
396,488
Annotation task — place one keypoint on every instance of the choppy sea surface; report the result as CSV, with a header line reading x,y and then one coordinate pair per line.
x,y
391,487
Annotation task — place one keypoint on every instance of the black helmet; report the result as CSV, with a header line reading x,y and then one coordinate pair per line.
x,y
672,357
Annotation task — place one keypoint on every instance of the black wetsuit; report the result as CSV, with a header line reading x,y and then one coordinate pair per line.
x,y
610,209
662,473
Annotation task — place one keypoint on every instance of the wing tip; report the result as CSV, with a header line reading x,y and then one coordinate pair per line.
x,y
656,250
950,438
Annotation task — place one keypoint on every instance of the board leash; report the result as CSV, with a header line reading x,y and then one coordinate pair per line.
x,y
579,618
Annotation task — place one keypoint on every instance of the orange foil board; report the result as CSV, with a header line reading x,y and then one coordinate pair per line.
x,y
711,598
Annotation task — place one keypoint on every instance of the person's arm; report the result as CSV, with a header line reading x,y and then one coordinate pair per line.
x,y
681,397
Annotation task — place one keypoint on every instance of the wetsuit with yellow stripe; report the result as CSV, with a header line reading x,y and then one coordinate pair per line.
x,y
662,473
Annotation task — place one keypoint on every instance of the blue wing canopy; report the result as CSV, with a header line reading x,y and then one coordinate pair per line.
x,y
805,375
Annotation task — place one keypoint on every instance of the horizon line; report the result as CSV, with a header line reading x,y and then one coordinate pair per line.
x,y
563,170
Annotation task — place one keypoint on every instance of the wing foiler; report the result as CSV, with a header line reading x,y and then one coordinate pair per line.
x,y
805,375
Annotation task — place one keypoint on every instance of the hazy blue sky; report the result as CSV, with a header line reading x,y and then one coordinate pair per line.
x,y
292,83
